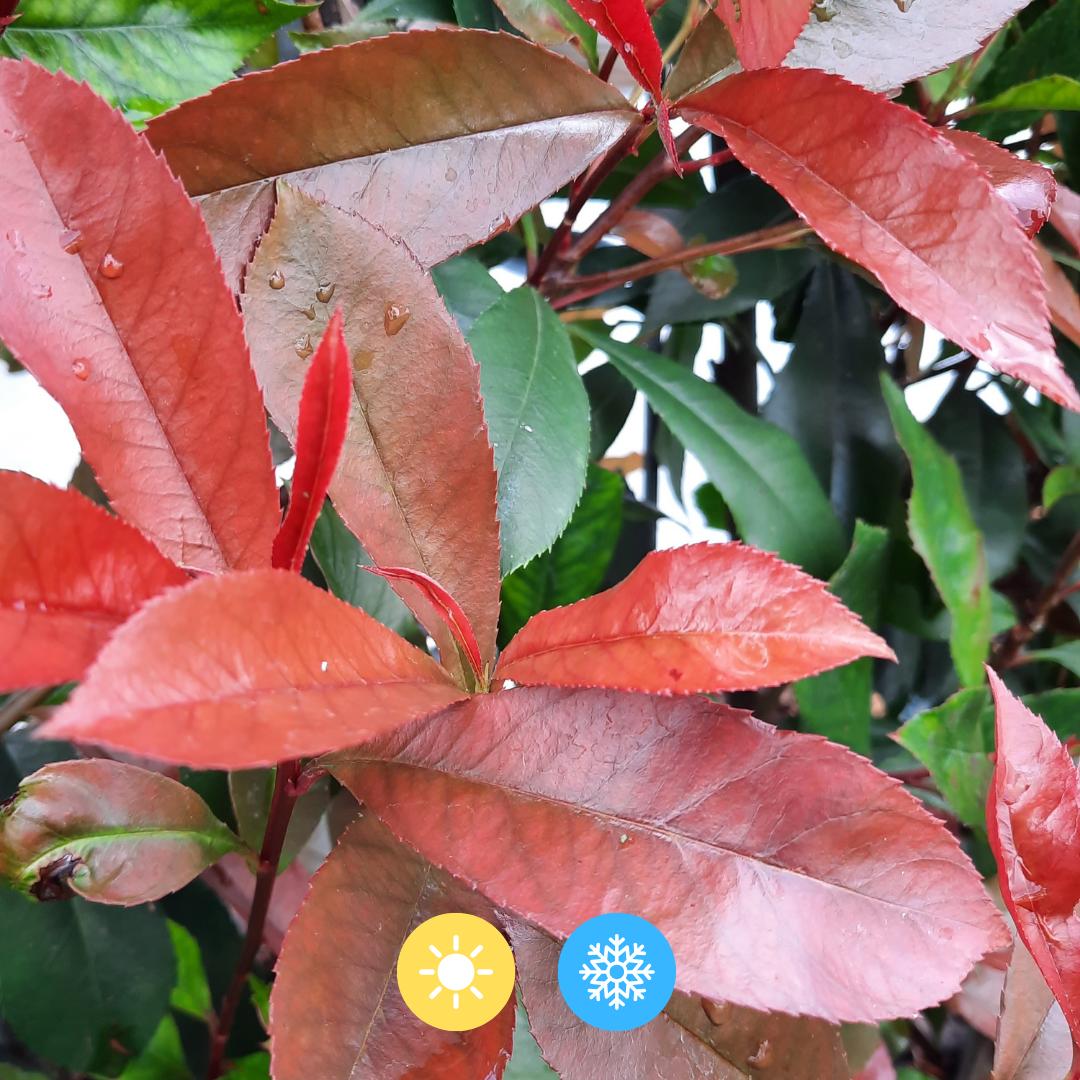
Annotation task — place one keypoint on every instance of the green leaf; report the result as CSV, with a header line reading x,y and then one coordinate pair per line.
x,y
251,791
538,420
1067,655
477,14
252,1067
361,28
467,288
341,560
1060,483
163,1058
525,1061
712,506
836,704
1040,95
954,741
946,537
827,399
575,566
144,57
260,998
611,398
85,980
551,22
191,994
774,497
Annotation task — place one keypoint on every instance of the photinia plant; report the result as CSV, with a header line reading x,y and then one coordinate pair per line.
x,y
436,671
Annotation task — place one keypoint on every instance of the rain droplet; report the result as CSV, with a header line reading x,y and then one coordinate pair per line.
x,y
623,838
394,318
310,311
111,266
527,428
629,49
325,293
71,241
451,173
15,135
303,346
41,292
324,665
15,239
277,280
762,1058
80,369
362,359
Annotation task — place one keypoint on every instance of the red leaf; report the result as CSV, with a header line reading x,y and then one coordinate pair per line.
x,y
335,1010
320,435
417,480
1066,215
739,841
879,1067
702,618
110,832
763,30
70,574
1033,820
111,295
247,670
446,605
1026,186
1061,297
689,1040
883,188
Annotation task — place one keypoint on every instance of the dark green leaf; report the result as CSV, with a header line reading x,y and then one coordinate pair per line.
x,y
712,506
538,420
611,397
836,704
163,1058
945,535
191,994
759,470
252,1067
1060,483
477,14
85,980
467,288
1067,655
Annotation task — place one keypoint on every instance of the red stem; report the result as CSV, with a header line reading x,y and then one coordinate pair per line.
x,y
277,823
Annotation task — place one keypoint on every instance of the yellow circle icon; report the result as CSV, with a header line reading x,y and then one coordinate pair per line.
x,y
455,972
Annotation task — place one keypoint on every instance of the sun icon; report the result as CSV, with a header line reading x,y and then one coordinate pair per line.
x,y
455,971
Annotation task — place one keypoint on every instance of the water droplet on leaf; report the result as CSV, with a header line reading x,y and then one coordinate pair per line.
x,y
15,239
41,292
310,311
71,241
527,428
303,346
762,1058
362,359
80,369
394,318
111,266
277,280
451,173
324,293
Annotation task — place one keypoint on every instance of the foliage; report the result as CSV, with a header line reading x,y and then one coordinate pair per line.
x,y
451,665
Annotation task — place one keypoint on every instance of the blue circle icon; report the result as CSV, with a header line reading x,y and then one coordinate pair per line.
x,y
616,972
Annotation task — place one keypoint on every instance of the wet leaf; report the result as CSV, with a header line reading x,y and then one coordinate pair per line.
x,y
248,670
537,416
108,832
764,31
460,127
748,841
774,498
417,480
335,1009
900,200
70,574
138,337
551,22
945,535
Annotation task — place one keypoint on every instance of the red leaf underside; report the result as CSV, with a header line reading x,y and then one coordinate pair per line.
x,y
763,30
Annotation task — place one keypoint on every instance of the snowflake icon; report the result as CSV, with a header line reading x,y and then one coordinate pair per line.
x,y
616,972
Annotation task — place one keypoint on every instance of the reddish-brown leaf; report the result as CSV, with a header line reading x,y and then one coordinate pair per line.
x,y
247,670
883,44
701,618
883,188
70,574
1061,297
442,137
691,1039
740,842
879,1067
1066,215
1026,186
649,232
1033,1041
111,295
417,480
763,30
107,831
320,435
1033,820
335,1010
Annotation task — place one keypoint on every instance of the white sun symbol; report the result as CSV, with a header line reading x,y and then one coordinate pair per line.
x,y
456,972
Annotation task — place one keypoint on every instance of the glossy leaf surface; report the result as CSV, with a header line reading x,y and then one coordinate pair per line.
x,y
749,842
691,1039
774,498
426,503
946,537
702,618
320,434
69,575
505,115
107,831
764,31
249,670
144,57
110,294
335,1010
900,200
1033,819
538,420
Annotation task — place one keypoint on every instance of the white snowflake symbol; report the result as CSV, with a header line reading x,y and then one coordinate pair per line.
x,y
616,971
